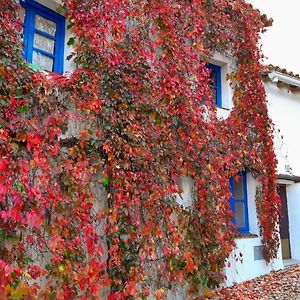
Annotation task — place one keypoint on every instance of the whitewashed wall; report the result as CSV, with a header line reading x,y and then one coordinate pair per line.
x,y
245,266
293,196
284,110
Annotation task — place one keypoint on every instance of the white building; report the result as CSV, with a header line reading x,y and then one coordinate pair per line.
x,y
283,95
283,92
43,49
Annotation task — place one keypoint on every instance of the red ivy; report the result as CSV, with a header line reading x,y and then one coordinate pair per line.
x,y
136,99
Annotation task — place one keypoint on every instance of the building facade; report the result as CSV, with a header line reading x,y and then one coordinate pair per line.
x,y
46,47
283,92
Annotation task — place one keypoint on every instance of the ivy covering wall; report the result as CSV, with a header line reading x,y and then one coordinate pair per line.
x,y
146,117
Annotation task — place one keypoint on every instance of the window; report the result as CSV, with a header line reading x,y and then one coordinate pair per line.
x,y
238,202
216,82
44,36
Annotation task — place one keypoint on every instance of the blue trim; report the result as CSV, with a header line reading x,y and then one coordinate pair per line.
x,y
32,9
45,34
44,52
218,84
43,9
244,200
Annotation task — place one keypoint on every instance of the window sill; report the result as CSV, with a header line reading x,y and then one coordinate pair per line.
x,y
222,112
223,108
35,67
246,236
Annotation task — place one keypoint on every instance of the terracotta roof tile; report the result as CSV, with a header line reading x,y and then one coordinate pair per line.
x,y
270,68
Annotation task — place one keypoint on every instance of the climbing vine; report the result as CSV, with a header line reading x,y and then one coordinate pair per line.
x,y
91,162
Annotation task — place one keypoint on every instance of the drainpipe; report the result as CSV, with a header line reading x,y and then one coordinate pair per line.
x,y
277,76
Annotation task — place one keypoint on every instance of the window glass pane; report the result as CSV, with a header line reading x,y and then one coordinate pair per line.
x,y
238,187
213,83
45,25
43,43
213,78
42,61
240,214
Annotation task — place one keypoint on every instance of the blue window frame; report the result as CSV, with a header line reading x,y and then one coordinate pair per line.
x,y
44,36
239,203
216,82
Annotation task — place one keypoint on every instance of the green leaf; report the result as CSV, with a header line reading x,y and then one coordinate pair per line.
x,y
66,254
27,260
20,187
2,235
18,94
22,109
3,103
71,41
15,147
105,181
61,10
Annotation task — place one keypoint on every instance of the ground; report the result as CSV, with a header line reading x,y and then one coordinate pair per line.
x,y
280,285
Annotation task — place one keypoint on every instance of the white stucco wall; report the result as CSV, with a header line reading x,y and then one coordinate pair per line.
x,y
251,192
284,110
241,264
185,199
293,196
241,267
244,267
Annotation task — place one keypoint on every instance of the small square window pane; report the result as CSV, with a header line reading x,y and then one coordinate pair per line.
x,y
240,214
43,43
42,61
45,25
238,188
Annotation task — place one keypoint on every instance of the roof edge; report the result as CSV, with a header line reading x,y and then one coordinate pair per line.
x,y
289,177
277,74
